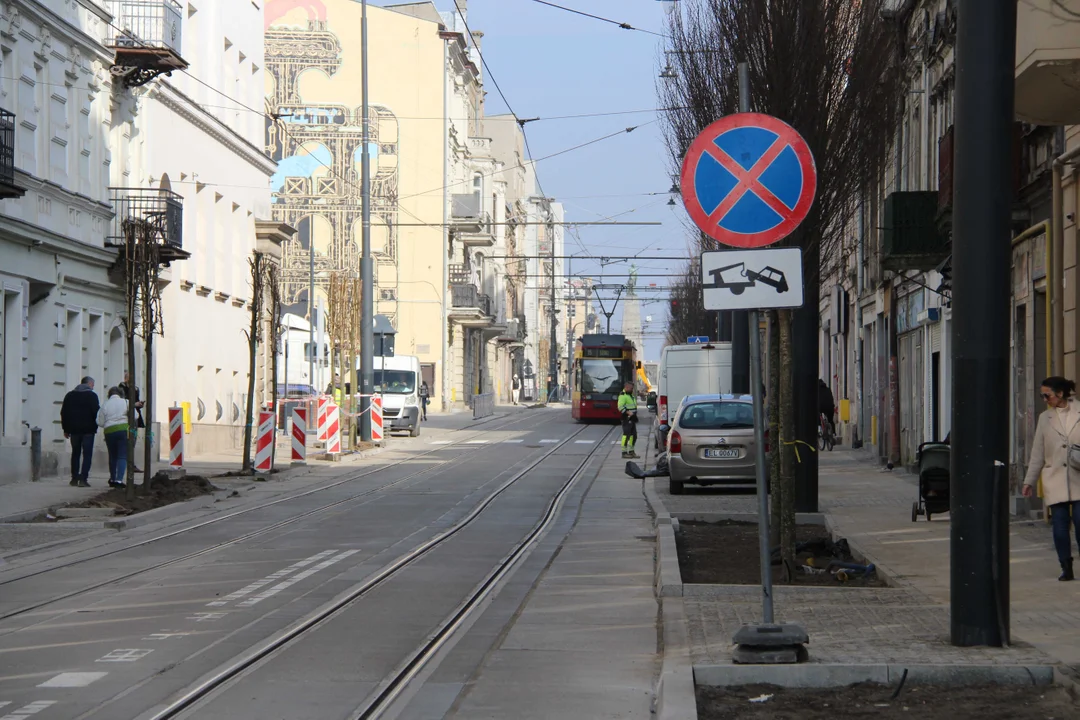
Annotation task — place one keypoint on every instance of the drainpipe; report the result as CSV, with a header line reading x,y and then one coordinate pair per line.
x,y
445,320
860,427
1055,270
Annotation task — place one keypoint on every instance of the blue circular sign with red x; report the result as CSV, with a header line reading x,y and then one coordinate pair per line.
x,y
748,180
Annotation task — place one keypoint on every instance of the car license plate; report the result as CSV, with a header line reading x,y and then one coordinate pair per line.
x,y
601,405
722,453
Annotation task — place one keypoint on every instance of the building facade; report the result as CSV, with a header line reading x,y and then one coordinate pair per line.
x,y
885,311
61,312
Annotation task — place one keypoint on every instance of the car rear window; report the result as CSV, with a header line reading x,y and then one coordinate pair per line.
x,y
717,416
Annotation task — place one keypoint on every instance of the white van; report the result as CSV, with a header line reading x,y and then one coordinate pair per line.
x,y
691,370
398,379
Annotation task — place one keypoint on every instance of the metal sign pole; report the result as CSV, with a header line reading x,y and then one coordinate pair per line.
x,y
759,462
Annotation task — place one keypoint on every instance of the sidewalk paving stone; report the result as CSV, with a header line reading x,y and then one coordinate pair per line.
x,y
906,623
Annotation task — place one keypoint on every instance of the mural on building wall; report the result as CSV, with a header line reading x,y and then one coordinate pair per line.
x,y
318,147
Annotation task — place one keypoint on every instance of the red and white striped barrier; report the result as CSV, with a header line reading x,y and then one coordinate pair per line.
x,y
264,443
299,435
376,419
324,416
333,430
176,438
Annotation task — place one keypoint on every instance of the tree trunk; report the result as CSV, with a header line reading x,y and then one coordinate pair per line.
x,y
130,479
148,411
774,398
253,348
787,445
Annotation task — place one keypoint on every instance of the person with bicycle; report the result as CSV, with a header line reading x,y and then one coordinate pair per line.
x,y
827,407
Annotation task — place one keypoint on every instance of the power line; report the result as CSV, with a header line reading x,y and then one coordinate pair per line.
x,y
623,25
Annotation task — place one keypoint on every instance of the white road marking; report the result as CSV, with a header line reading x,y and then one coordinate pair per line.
x,y
441,442
125,655
207,616
584,442
296,578
548,441
166,635
73,679
270,579
27,710
513,442
476,442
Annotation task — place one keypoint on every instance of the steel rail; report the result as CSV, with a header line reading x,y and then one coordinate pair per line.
x,y
228,543
223,676
395,685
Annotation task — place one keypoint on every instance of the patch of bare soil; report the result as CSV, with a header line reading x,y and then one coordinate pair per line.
x,y
922,702
163,491
726,553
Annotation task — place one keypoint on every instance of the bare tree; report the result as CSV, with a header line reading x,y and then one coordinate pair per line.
x,y
142,270
832,70
687,309
254,336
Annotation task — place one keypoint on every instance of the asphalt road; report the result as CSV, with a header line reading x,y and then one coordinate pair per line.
x,y
129,635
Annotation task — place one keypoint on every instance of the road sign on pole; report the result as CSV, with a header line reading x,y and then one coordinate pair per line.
x,y
752,279
748,180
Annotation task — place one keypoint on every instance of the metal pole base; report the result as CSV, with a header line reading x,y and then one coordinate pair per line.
x,y
770,644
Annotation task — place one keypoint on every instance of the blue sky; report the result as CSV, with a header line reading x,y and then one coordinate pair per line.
x,y
552,63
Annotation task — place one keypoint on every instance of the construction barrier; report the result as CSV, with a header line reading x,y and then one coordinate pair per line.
x,y
376,419
323,425
483,405
299,435
333,429
176,438
264,443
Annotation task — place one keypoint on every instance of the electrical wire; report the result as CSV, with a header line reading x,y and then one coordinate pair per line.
x,y
623,25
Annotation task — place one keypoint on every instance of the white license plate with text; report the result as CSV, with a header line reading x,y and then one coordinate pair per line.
x,y
722,453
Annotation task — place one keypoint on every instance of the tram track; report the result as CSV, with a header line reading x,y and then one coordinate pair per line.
x,y
203,691
246,536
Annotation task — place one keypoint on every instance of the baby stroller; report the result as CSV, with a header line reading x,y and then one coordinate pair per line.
x,y
933,461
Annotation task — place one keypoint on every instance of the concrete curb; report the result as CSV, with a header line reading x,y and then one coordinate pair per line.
x,y
715,517
24,516
811,675
675,697
167,512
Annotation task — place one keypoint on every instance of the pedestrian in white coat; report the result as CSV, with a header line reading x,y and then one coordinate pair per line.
x,y
1055,455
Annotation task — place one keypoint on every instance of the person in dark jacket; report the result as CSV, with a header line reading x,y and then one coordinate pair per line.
x,y
79,420
827,405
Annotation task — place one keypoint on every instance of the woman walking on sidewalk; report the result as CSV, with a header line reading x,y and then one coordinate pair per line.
x,y
1055,454
113,416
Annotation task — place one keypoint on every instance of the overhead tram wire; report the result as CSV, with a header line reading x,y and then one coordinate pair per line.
x,y
622,25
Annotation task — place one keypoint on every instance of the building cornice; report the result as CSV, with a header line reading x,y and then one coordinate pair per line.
x,y
61,194
185,107
19,232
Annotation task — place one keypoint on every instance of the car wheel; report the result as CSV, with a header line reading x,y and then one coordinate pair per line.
x,y
675,487
914,512
414,431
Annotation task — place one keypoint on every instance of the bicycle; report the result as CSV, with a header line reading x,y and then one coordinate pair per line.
x,y
826,438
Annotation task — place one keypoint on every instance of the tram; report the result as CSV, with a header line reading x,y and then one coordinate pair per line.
x,y
603,364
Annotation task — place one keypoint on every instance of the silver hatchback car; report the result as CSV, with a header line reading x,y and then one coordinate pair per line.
x,y
711,442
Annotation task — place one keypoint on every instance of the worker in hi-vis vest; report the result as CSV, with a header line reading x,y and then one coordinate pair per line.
x,y
628,414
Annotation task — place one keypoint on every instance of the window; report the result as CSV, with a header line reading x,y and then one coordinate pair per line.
x,y
602,376
717,416
397,382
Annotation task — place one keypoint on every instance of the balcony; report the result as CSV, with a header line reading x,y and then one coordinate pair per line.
x,y
1048,62
468,307
911,238
465,213
149,215
146,39
513,333
8,188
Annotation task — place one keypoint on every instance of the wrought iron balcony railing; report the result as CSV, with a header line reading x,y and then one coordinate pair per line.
x,y
147,38
149,214
8,188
